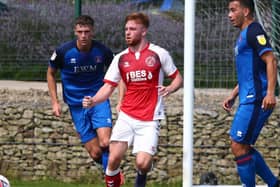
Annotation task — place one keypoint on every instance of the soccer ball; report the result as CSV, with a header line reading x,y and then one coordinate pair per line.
x,y
4,181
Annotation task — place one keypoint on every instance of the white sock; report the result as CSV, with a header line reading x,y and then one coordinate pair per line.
x,y
112,173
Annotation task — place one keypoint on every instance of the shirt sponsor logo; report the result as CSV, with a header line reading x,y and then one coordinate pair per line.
x,y
138,75
150,75
90,68
261,39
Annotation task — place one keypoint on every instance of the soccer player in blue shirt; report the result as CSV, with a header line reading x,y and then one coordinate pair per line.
x,y
256,73
82,63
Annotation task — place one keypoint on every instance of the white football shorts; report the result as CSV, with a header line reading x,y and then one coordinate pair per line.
x,y
142,134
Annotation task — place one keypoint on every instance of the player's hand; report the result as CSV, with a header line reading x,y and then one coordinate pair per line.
x,y
56,109
228,103
163,91
269,102
87,102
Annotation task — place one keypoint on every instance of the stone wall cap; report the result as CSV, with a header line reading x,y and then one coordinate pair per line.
x,y
25,85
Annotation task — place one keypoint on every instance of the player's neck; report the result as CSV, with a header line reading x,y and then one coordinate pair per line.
x,y
139,47
246,23
84,48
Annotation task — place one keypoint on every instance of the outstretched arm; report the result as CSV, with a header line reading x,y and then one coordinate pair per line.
x,y
122,90
103,93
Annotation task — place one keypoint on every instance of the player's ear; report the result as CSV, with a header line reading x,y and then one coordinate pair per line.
x,y
246,12
144,31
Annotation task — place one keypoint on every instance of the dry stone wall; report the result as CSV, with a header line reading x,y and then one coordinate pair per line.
x,y
36,145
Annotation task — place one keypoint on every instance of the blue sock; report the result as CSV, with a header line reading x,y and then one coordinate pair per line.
x,y
246,169
140,180
105,155
263,170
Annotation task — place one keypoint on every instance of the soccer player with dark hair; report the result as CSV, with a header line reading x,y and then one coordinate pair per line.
x,y
256,73
141,68
82,63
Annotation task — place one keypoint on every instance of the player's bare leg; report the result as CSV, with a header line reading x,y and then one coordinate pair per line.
x,y
104,134
98,147
113,173
143,165
93,149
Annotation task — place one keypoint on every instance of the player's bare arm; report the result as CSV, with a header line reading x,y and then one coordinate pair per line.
x,y
269,100
122,90
103,93
176,83
56,108
229,101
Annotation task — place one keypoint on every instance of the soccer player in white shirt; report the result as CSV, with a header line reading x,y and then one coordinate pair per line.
x,y
141,67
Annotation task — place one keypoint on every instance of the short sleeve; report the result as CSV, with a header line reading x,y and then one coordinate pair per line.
x,y
56,59
112,75
258,39
167,63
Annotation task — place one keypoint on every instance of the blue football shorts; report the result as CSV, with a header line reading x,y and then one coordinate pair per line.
x,y
248,122
87,120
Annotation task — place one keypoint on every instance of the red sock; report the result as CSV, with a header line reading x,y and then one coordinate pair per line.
x,y
113,181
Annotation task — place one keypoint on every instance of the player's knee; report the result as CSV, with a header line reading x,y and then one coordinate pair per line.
x,y
143,166
114,161
239,149
115,157
95,154
104,143
143,162
95,157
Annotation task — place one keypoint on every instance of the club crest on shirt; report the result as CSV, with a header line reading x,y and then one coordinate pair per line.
x,y
98,59
261,39
150,61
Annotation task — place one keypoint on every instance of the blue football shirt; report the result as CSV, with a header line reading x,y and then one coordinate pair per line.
x,y
251,44
81,73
